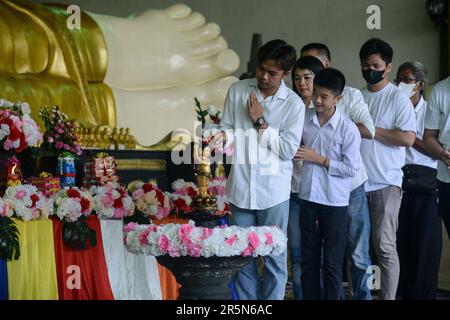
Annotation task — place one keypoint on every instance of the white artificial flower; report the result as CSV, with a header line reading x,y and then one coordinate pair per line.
x,y
212,110
25,107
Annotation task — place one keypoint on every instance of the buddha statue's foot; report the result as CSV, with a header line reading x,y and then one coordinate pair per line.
x,y
160,49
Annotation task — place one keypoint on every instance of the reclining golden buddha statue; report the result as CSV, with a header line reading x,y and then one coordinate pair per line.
x,y
140,72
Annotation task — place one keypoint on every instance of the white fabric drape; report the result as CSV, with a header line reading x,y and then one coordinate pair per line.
x,y
132,277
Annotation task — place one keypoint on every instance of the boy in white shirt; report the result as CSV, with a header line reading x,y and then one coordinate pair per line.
x,y
358,224
330,154
384,157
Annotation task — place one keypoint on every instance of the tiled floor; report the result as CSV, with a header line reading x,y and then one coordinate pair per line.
x,y
442,294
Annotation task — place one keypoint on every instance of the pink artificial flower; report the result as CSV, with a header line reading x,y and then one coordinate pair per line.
x,y
162,212
152,228
164,243
253,239
130,227
119,213
231,240
66,147
182,191
269,239
194,250
108,201
59,145
50,140
60,131
8,144
219,190
229,150
34,213
56,135
20,194
206,233
138,194
184,232
247,251
143,237
175,252
17,122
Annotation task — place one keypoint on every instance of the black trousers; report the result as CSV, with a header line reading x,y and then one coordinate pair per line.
x,y
327,226
444,204
419,244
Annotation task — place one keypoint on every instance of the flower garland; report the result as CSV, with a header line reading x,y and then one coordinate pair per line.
x,y
179,240
27,202
112,201
18,130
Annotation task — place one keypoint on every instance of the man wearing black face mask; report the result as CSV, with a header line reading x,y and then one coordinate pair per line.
x,y
384,157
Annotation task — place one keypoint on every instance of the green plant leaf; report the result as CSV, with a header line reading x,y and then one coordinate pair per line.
x,y
9,240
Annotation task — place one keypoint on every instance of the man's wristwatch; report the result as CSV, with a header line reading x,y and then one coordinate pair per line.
x,y
259,122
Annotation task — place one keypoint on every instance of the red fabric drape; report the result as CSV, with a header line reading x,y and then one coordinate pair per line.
x,y
93,273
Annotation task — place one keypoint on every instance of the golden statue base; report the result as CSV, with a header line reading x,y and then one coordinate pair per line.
x,y
204,203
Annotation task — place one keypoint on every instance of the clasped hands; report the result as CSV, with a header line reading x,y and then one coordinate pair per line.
x,y
308,154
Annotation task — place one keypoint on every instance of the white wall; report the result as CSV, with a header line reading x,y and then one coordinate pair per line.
x,y
341,24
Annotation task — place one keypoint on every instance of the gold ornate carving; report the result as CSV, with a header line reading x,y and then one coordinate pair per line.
x,y
141,164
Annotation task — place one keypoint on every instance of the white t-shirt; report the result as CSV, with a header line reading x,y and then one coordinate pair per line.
x,y
391,109
438,118
413,156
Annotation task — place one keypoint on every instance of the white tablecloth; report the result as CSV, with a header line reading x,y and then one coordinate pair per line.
x,y
132,277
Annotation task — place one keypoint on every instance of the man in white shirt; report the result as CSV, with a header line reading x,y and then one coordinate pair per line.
x,y
358,226
330,157
263,118
384,157
419,235
437,142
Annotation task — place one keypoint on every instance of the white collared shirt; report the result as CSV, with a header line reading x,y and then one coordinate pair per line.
x,y
339,140
353,105
390,109
438,118
413,156
261,172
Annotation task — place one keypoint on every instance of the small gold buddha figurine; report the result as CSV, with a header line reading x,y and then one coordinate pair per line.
x,y
90,138
115,139
130,143
97,138
105,139
79,131
121,139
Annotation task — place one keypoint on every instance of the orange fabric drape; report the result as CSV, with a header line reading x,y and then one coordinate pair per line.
x,y
169,285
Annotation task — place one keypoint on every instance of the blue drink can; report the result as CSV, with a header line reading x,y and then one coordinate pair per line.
x,y
66,170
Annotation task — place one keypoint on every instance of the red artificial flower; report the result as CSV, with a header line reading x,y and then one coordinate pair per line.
x,y
84,204
72,193
160,197
118,204
181,205
34,199
148,187
191,192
